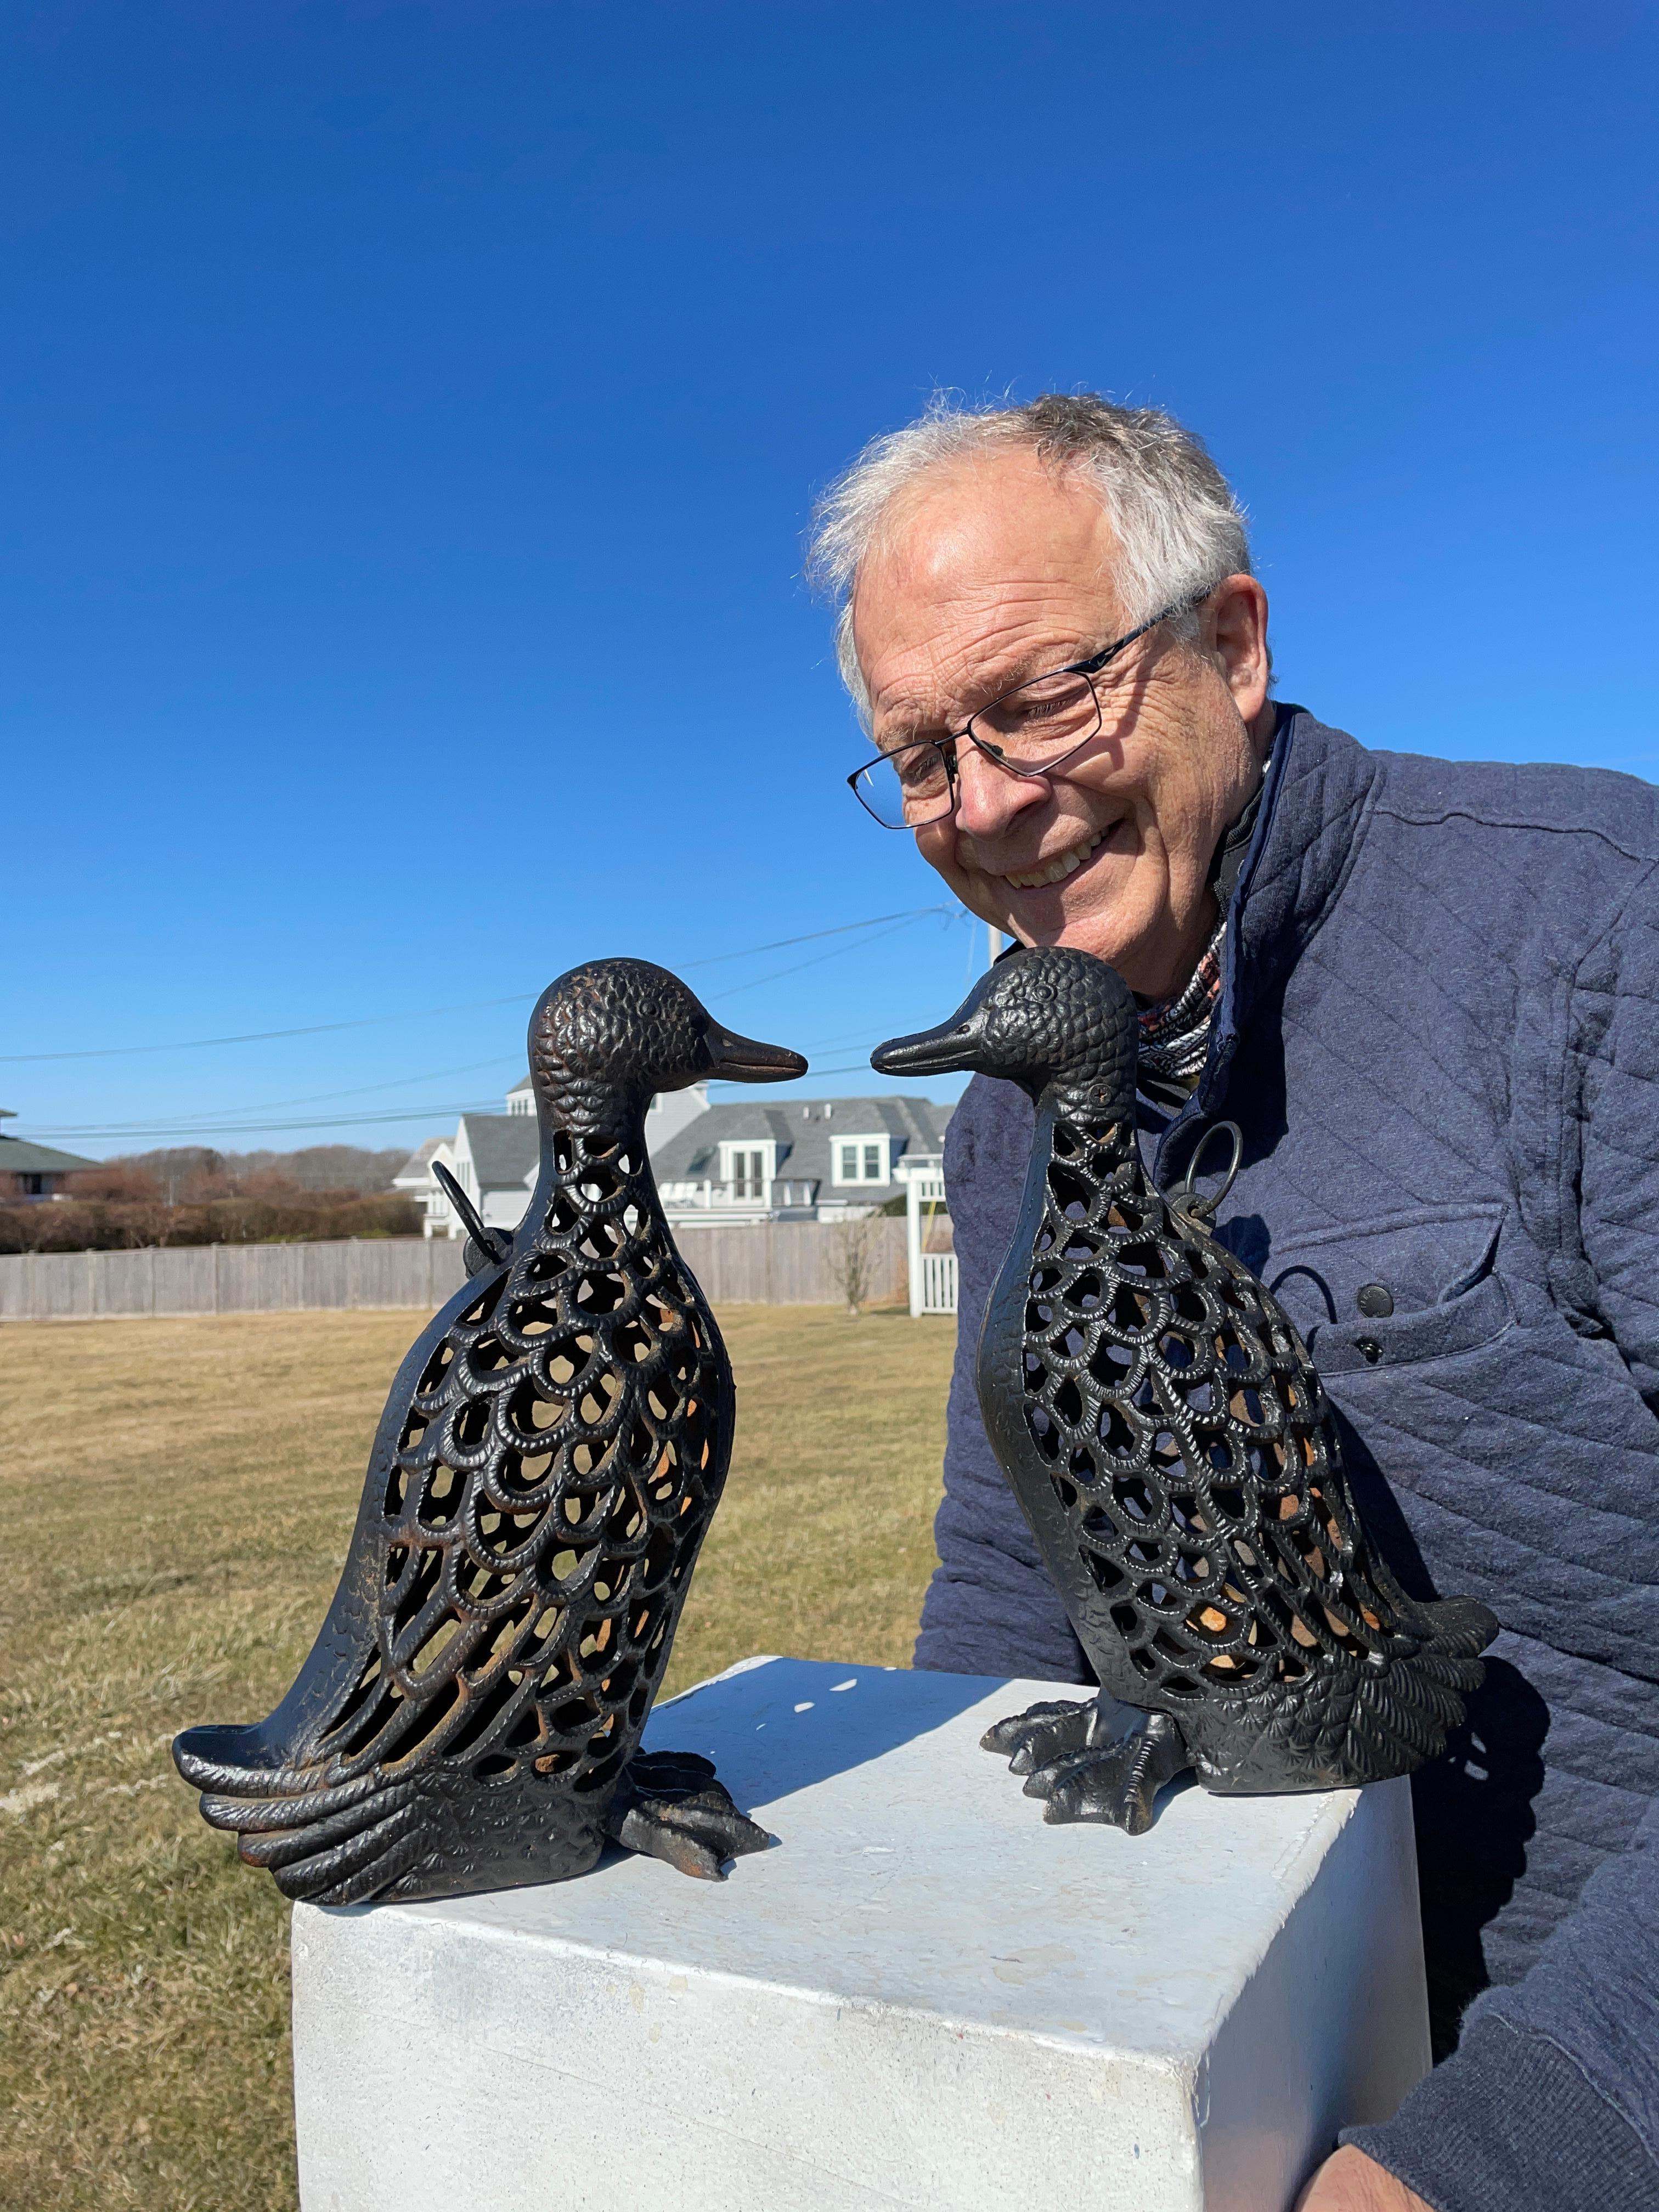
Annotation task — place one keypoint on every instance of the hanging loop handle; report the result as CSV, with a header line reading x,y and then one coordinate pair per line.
x,y
1201,1207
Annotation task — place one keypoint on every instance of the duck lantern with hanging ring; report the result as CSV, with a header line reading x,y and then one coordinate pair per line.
x,y
547,1466
1167,1439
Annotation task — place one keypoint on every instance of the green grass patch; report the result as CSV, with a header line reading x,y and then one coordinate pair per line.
x,y
178,1499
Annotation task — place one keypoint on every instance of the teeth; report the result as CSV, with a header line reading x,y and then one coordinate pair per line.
x,y
1057,871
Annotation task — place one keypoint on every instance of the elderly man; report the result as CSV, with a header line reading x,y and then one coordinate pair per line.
x,y
1427,992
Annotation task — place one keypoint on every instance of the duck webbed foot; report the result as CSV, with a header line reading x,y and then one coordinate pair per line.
x,y
670,1805
1092,1760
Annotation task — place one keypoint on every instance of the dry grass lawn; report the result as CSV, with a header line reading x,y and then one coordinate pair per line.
x,y
177,1497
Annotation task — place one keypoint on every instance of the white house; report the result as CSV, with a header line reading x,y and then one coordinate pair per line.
x,y
819,1160
416,1181
742,1161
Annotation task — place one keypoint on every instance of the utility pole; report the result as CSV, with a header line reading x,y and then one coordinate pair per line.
x,y
993,942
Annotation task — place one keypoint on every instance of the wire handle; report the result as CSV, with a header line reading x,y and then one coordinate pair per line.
x,y
492,1244
1202,1209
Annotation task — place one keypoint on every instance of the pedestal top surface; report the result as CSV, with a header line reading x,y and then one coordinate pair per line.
x,y
911,1870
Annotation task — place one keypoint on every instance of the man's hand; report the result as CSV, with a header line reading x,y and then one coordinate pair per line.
x,y
1350,2182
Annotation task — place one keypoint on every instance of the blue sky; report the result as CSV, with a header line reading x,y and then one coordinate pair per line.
x,y
411,414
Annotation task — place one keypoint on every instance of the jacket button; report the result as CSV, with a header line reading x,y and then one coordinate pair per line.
x,y
1370,1348
1375,1301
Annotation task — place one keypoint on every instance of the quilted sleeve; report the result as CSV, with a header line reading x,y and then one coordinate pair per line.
x,y
1552,2097
1616,1026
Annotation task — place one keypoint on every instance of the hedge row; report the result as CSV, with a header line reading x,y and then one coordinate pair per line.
x,y
98,1225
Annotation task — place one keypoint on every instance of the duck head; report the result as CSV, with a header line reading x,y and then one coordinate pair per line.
x,y
1048,1019
609,1035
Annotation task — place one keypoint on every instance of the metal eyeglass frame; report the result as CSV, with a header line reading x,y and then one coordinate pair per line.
x,y
945,746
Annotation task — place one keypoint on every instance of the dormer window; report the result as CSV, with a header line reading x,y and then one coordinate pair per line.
x,y
862,1160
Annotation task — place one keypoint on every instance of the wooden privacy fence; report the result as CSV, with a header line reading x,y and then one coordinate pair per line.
x,y
205,1278
792,1263
777,1263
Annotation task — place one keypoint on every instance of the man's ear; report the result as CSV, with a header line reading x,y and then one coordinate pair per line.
x,y
1238,607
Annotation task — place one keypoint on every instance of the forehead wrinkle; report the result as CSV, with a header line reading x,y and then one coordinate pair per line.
x,y
978,578
952,698
908,716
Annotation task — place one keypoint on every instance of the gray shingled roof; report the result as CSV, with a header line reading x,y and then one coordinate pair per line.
x,y
504,1147
803,1136
417,1166
19,1157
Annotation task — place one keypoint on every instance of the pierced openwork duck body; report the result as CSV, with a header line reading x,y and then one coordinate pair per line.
x,y
550,1458
1170,1445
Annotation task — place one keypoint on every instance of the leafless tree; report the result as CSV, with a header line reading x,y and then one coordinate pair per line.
x,y
854,1260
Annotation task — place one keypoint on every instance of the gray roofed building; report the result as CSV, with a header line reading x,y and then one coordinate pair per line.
x,y
416,1179
29,1170
495,1159
802,1159
417,1171
746,1160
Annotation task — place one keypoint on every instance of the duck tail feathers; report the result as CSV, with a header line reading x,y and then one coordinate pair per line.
x,y
1451,1628
1402,1712
1401,1716
1350,1722
331,1845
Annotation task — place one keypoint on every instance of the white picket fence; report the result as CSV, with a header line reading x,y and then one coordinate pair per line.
x,y
938,1284
932,1273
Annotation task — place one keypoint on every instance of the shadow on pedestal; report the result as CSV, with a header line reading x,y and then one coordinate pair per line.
x,y
780,1725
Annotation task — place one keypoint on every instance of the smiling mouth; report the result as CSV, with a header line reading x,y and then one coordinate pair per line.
x,y
1057,869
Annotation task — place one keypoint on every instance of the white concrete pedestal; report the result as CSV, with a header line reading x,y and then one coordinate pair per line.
x,y
924,1996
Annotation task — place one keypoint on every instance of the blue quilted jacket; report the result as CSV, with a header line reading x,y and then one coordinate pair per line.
x,y
1439,1031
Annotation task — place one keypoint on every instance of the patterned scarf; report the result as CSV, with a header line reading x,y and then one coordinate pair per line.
x,y
1175,1034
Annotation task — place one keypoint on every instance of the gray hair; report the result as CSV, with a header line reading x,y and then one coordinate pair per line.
x,y
1179,528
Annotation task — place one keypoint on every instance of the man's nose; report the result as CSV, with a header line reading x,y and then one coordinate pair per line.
x,y
989,800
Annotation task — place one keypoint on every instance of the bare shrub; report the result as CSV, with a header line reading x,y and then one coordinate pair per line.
x,y
853,1263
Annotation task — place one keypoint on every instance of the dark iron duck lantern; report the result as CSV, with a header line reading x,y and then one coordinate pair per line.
x,y
547,1466
1169,1441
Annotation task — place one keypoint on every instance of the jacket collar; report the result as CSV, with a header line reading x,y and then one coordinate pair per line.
x,y
1315,796
1319,785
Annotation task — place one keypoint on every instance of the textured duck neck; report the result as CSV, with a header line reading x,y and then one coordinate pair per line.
x,y
1105,1146
578,1131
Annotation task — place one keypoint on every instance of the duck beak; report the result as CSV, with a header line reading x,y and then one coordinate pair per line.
x,y
949,1049
743,1059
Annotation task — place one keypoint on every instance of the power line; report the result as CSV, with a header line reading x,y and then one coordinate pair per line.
x,y
264,1037
777,974
431,1013
779,944
133,1131
853,1067
257,1128
236,1117
254,1120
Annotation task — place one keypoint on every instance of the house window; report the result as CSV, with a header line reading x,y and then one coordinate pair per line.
x,y
746,1169
860,1159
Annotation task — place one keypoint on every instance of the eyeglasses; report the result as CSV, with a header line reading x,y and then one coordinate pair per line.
x,y
1030,731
